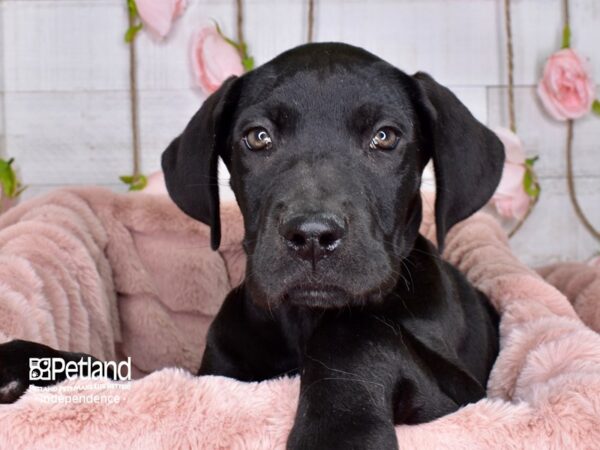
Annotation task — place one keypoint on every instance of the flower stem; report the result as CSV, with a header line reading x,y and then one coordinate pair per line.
x,y
510,63
133,96
522,220
311,21
571,184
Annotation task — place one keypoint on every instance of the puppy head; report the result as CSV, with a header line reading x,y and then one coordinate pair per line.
x,y
326,145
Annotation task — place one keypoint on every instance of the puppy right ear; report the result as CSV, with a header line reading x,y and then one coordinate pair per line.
x,y
467,156
191,160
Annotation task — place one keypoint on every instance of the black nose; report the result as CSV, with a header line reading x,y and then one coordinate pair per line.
x,y
313,236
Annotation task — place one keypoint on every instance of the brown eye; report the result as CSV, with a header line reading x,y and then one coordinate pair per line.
x,y
385,138
258,139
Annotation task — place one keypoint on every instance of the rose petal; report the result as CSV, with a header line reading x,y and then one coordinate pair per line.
x,y
179,7
158,15
503,206
566,89
510,198
515,206
213,59
156,184
511,183
520,204
513,148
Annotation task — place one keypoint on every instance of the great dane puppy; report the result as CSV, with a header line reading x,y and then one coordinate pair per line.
x,y
326,145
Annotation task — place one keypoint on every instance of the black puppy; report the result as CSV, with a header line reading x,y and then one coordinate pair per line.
x,y
326,145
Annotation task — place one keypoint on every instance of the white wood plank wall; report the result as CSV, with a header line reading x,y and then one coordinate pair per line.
x,y
64,110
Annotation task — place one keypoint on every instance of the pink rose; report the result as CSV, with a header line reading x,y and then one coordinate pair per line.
x,y
213,59
158,15
567,88
510,198
595,261
156,184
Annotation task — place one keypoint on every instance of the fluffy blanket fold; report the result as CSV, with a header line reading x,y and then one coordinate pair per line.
x,y
129,275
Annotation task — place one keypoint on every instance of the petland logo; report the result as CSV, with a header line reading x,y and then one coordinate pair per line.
x,y
56,369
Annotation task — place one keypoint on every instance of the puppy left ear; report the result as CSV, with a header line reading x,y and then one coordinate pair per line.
x,y
468,158
191,160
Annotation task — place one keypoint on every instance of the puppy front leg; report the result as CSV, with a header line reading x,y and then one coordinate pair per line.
x,y
347,390
16,375
246,343
342,414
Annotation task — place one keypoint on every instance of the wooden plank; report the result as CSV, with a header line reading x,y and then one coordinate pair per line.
x,y
1,46
74,138
546,137
79,44
163,116
92,55
474,98
434,36
2,127
2,124
552,232
537,33
63,45
84,138
461,42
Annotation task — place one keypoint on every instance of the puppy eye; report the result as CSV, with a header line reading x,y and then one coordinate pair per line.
x,y
258,139
385,138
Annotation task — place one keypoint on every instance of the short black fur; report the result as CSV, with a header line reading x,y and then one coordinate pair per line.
x,y
340,286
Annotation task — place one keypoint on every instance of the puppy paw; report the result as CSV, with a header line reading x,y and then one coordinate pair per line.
x,y
12,390
342,437
14,367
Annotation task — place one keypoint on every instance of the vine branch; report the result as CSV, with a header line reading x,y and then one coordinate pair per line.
x,y
512,115
510,65
311,21
240,20
133,95
569,145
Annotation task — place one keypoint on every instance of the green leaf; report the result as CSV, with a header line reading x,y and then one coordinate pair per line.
x,y
226,39
530,183
241,47
596,107
566,37
135,182
529,162
232,43
248,63
11,187
140,183
218,27
131,33
132,7
7,178
20,190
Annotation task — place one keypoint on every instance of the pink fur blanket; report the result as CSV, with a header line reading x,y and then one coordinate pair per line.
x,y
130,275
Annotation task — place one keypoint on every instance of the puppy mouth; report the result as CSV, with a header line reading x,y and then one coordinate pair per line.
x,y
317,296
